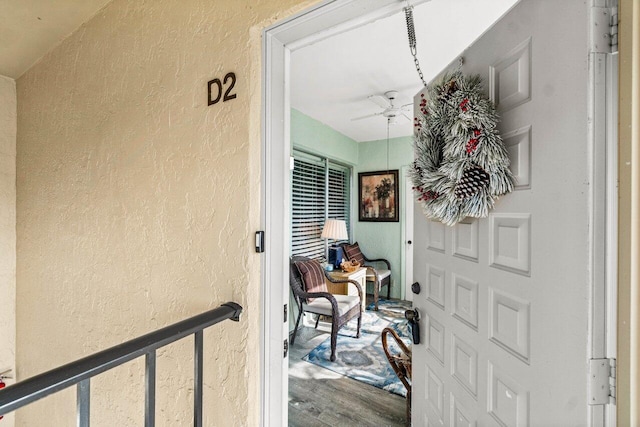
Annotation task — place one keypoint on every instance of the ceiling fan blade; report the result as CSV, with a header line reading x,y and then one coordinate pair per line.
x,y
366,117
405,115
407,105
380,101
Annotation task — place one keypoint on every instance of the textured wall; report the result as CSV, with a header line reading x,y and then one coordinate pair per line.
x,y
7,226
383,239
628,366
136,204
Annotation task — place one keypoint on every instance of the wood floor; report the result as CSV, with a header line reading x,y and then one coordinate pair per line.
x,y
320,397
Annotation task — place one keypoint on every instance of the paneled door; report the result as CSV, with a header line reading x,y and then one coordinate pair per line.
x,y
505,299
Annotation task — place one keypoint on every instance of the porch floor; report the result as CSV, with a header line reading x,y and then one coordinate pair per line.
x,y
320,397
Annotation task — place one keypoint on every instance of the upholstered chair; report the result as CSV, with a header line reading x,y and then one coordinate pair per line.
x,y
307,281
378,276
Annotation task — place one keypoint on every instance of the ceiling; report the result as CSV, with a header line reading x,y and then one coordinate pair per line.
x,y
31,28
331,79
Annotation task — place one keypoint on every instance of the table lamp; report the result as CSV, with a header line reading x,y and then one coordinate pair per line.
x,y
335,229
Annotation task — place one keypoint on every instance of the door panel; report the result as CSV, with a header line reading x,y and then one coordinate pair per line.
x,y
505,299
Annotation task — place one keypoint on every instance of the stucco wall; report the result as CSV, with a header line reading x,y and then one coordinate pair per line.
x,y
628,364
137,202
7,226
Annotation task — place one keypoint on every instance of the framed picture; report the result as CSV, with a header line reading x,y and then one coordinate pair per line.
x,y
378,196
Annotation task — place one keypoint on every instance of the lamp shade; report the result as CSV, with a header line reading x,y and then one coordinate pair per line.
x,y
335,229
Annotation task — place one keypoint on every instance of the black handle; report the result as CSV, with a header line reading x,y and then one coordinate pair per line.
x,y
415,288
409,242
413,316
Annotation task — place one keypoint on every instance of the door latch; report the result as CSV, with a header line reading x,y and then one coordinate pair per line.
x,y
259,242
413,316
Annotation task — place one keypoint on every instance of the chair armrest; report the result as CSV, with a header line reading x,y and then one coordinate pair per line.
x,y
400,365
374,274
378,260
356,284
327,295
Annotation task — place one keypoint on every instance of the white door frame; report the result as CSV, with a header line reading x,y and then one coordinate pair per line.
x,y
603,142
279,40
407,235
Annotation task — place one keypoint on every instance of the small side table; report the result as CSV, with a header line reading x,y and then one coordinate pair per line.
x,y
359,275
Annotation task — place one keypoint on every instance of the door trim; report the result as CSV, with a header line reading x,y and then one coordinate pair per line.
x,y
279,40
603,140
407,215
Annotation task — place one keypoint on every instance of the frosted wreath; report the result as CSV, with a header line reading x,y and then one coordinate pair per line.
x,y
461,165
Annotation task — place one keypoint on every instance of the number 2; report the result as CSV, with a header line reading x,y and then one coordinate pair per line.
x,y
227,93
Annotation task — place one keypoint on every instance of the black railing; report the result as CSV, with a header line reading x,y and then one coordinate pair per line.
x,y
80,372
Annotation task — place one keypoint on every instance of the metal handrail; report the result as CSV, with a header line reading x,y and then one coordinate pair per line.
x,y
79,372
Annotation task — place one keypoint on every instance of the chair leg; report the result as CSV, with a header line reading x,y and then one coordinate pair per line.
x,y
408,408
388,287
359,324
334,337
295,330
317,320
376,292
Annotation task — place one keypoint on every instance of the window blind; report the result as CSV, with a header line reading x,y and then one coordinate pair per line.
x,y
319,190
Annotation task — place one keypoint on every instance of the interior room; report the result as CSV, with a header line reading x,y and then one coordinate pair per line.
x,y
352,114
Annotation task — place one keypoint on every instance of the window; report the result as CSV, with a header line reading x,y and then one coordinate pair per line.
x,y
319,190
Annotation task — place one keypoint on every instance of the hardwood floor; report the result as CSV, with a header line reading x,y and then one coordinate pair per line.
x,y
320,397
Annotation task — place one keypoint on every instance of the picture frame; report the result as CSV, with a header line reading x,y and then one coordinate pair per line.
x,y
378,196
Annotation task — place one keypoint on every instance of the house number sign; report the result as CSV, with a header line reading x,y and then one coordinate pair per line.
x,y
221,89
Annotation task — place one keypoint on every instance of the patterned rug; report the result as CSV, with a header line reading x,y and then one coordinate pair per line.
x,y
363,358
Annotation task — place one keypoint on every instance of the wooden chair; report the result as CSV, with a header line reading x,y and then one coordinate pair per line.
x,y
307,281
378,276
400,363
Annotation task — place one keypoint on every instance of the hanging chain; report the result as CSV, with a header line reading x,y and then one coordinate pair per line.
x,y
388,123
411,31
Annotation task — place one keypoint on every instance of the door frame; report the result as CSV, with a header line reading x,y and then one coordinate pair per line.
x,y
407,234
321,21
328,18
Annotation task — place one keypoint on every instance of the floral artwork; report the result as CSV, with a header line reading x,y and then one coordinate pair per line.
x,y
378,196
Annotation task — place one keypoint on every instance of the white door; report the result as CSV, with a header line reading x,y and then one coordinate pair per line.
x,y
408,235
505,299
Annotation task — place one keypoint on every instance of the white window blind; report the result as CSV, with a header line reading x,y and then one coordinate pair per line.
x,y
320,189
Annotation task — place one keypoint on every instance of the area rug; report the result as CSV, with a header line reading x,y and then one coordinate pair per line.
x,y
363,358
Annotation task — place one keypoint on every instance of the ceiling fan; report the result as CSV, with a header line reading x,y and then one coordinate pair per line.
x,y
391,111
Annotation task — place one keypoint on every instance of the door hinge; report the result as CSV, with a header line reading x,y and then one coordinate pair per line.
x,y
286,348
604,29
602,381
286,312
613,29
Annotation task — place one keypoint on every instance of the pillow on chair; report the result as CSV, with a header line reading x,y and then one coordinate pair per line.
x,y
353,253
312,276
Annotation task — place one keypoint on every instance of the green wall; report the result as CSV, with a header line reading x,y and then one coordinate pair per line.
x,y
377,239
310,135
383,239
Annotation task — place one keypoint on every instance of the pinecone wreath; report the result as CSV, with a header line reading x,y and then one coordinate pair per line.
x,y
461,165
